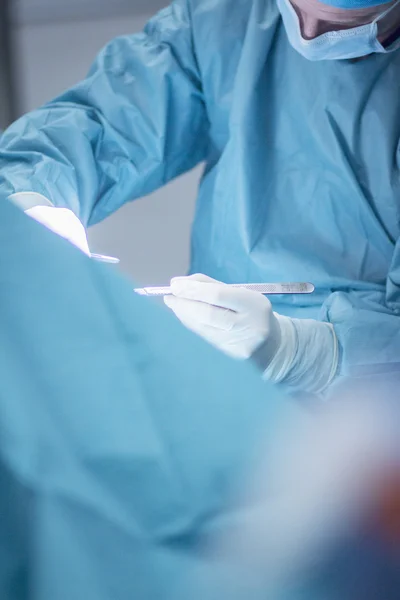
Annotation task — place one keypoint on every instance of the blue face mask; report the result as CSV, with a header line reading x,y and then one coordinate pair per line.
x,y
335,45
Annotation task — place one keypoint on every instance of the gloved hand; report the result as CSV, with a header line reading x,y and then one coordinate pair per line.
x,y
240,322
63,222
234,320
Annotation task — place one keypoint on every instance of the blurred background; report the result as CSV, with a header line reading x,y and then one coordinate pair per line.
x,y
48,45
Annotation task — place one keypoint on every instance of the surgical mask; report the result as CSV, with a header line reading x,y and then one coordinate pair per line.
x,y
335,45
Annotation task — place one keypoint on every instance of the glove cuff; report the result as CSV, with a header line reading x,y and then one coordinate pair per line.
x,y
307,357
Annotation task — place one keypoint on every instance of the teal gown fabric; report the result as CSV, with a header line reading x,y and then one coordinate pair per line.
x,y
301,178
125,441
129,447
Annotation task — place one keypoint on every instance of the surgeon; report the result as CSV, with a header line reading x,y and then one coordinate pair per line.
x,y
294,108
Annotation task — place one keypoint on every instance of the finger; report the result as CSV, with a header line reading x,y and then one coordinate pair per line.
x,y
218,294
197,287
199,314
195,277
222,340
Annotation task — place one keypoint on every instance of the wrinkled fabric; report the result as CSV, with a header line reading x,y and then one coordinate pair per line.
x,y
121,462
301,178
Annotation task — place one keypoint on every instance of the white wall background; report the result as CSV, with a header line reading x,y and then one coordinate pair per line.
x,y
151,235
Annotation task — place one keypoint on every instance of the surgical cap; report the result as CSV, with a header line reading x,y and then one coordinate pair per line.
x,y
354,4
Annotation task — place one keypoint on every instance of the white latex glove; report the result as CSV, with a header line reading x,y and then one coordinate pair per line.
x,y
240,322
63,222
234,320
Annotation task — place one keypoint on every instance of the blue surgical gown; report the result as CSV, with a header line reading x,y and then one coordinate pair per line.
x,y
301,177
121,458
127,446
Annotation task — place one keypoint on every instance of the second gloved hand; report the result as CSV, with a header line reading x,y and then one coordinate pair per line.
x,y
303,353
63,222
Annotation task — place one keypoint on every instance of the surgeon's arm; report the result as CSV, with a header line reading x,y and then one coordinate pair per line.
x,y
301,353
137,121
358,334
